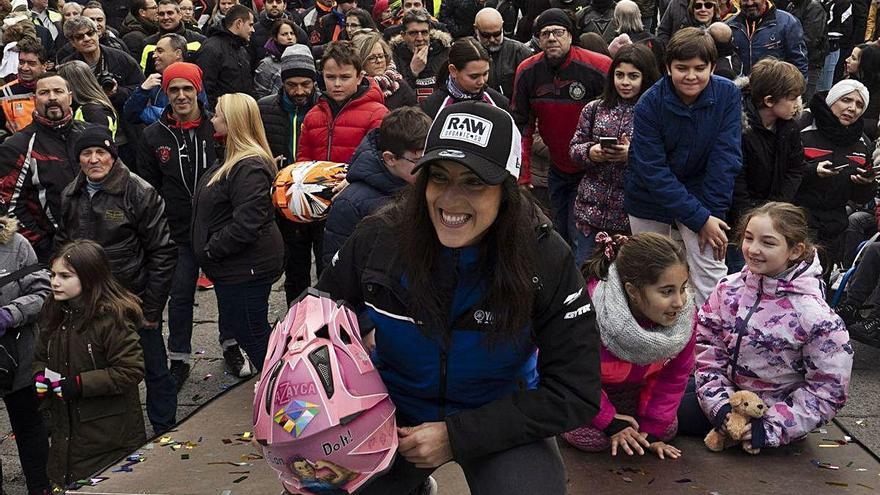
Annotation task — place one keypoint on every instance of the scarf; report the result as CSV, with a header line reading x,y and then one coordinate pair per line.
x,y
273,49
54,124
830,127
186,126
389,82
625,338
459,94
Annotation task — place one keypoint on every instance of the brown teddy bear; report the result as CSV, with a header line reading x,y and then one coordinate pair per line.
x,y
745,406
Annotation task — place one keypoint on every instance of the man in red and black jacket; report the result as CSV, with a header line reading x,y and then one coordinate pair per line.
x,y
550,89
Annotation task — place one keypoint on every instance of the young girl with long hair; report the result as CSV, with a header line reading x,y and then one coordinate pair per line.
x,y
768,329
645,322
235,238
88,364
599,202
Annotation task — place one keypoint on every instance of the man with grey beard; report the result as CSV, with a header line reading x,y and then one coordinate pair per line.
x,y
506,53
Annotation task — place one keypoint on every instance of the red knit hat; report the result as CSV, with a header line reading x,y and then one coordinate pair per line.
x,y
183,70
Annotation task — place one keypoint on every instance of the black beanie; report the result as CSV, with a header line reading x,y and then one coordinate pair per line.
x,y
96,136
552,17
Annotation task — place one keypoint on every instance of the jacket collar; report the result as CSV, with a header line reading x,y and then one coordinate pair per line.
x,y
114,183
168,120
707,98
805,279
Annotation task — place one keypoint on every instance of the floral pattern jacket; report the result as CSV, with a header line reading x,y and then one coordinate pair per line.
x,y
778,338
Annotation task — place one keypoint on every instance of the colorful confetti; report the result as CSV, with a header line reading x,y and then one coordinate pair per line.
x,y
239,480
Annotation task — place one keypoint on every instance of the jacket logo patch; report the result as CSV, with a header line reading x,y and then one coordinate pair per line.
x,y
573,297
578,312
577,91
114,215
483,317
467,128
163,153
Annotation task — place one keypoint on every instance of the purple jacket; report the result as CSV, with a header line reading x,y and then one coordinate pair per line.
x,y
793,351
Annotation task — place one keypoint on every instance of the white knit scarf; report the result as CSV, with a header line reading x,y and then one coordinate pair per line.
x,y
625,338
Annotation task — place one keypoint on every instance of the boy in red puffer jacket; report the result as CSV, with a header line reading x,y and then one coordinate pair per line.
x,y
349,107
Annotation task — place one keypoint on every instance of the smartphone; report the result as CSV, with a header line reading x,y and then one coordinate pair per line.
x,y
608,142
866,172
839,167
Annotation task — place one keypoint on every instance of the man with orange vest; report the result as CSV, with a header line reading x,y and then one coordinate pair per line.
x,y
17,97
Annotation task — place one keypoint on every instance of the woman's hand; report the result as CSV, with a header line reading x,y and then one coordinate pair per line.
x,y
426,445
824,170
664,450
618,152
597,154
630,440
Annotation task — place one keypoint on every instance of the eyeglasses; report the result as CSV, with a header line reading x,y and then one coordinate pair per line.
x,y
414,161
352,25
82,36
423,32
168,13
154,7
556,33
704,5
376,58
488,36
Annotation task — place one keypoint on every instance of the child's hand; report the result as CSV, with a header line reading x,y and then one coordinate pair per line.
x,y
664,450
597,154
629,419
630,440
713,234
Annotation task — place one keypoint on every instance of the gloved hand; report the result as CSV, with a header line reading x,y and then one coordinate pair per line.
x,y
5,320
67,389
42,384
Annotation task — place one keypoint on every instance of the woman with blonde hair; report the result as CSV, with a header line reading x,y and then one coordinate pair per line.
x,y
379,65
92,104
234,234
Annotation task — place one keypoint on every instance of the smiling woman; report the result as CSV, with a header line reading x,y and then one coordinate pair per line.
x,y
465,267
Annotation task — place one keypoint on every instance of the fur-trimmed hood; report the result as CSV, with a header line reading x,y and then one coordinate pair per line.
x,y
8,228
442,38
748,108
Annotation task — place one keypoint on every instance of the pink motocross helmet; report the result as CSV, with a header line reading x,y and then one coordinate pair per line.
x,y
321,411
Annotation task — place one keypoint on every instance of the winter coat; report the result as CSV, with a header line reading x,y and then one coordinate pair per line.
x,y
438,53
127,217
194,40
226,65
173,161
403,96
671,20
441,99
134,31
779,34
773,163
267,77
683,160
554,96
234,234
458,15
825,199
22,298
370,186
64,49
491,398
778,338
145,107
814,22
125,70
728,65
594,20
502,67
284,130
106,421
32,190
840,22
661,384
599,201
334,137
859,24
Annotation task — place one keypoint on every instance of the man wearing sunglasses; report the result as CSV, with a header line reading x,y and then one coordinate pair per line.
x,y
761,30
506,53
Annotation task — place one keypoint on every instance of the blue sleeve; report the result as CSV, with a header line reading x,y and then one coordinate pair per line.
x,y
341,222
795,46
648,163
725,157
135,104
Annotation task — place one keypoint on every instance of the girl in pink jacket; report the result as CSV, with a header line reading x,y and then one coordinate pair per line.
x,y
645,322
767,329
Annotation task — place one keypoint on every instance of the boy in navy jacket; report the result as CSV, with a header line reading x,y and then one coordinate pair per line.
x,y
685,156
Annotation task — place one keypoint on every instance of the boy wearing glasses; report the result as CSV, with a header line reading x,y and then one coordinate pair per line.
x,y
420,52
550,90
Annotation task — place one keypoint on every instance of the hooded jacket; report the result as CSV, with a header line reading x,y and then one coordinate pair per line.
x,y
226,65
491,398
106,422
284,129
134,31
127,217
438,54
776,34
777,337
370,186
22,298
173,161
684,159
146,106
326,136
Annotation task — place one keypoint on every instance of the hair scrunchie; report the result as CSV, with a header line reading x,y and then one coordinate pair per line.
x,y
610,244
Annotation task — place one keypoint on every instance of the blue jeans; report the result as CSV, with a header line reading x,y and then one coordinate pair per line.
x,y
585,246
244,312
180,305
563,191
161,389
692,421
827,78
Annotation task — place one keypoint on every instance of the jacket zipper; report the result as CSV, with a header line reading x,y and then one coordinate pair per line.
x,y
444,356
744,329
331,126
91,355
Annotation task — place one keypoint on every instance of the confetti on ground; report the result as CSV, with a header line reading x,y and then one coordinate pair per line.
x,y
226,492
652,480
184,457
865,486
96,480
196,398
826,465
684,480
239,480
239,472
829,445
860,422
837,483
227,441
627,479
165,440
850,463
251,457
122,469
207,377
236,464
199,352
149,446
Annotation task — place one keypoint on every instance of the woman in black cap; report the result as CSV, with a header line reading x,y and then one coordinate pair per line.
x,y
465,282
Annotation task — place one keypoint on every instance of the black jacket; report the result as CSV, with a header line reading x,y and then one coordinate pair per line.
x,y
814,19
64,49
173,160
277,124
438,55
134,31
369,275
127,217
403,97
773,163
434,103
502,67
194,40
125,70
234,234
226,65
458,16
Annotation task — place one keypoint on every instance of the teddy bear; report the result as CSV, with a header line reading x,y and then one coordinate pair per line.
x,y
745,406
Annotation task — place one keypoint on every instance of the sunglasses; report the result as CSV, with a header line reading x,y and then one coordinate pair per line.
x,y
82,36
704,5
487,36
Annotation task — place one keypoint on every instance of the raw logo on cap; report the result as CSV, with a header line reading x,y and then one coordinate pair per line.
x,y
467,128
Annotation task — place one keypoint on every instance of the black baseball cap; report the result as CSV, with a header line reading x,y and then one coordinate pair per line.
x,y
480,136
